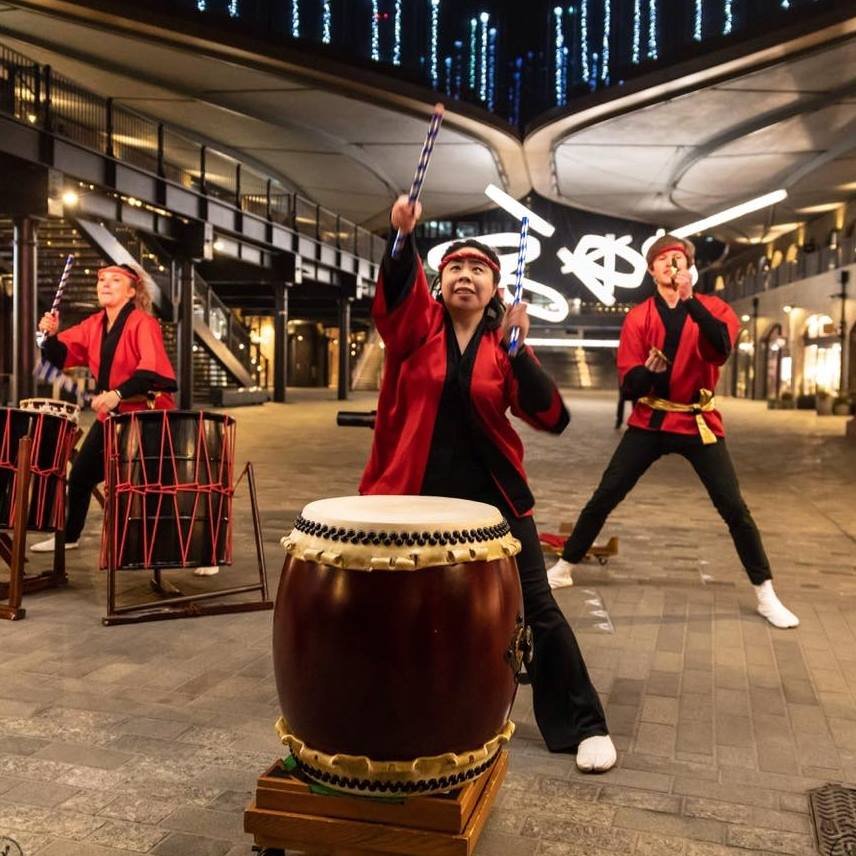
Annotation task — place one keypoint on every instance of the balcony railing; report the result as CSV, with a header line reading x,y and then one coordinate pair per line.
x,y
35,94
739,283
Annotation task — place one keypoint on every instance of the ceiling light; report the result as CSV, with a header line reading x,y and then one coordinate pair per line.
x,y
519,211
731,213
70,198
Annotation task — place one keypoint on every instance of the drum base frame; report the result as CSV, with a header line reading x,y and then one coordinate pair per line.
x,y
180,605
289,813
13,548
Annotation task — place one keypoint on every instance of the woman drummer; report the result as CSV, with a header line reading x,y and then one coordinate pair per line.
x,y
442,430
122,346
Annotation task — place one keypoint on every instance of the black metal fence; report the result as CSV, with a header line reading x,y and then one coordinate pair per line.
x,y
37,95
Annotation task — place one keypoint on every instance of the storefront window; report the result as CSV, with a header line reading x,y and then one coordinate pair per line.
x,y
822,356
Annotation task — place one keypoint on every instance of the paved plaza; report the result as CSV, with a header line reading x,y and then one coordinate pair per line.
x,y
149,738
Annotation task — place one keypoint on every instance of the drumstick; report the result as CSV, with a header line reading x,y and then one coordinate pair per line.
x,y
421,169
514,336
48,373
660,354
63,281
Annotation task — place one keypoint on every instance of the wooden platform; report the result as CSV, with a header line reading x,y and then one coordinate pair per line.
x,y
290,813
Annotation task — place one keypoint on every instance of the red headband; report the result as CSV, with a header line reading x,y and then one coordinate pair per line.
x,y
469,253
672,248
132,275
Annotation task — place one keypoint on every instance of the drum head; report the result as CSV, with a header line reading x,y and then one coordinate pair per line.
x,y
399,532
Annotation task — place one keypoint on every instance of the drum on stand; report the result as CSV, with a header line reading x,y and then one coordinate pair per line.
x,y
169,483
398,638
53,438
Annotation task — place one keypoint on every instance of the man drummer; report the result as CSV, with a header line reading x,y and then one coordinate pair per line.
x,y
669,355
122,346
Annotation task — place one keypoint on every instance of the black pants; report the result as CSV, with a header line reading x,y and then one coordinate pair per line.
x,y
566,704
86,472
636,452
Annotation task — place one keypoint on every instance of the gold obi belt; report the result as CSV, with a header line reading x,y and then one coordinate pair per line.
x,y
705,404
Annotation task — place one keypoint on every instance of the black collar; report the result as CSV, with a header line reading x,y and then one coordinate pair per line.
x,y
109,341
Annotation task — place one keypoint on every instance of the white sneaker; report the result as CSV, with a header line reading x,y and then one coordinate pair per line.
x,y
773,609
596,754
49,545
207,571
560,575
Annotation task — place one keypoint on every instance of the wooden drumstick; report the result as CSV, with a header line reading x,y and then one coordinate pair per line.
x,y
63,281
514,336
421,169
660,354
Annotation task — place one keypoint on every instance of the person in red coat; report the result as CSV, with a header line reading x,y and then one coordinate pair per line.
x,y
442,429
122,346
669,356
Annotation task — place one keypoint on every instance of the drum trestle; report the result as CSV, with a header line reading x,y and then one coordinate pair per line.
x,y
176,604
288,813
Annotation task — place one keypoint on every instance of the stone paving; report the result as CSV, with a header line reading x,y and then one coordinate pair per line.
x,y
149,738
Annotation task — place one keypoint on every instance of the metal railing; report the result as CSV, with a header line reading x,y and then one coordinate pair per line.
x,y
739,284
35,94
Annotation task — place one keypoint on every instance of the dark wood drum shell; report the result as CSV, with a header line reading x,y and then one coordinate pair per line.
x,y
396,665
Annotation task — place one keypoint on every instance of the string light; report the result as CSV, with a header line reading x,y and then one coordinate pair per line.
x,y
435,25
604,68
458,65
375,31
491,68
326,23
396,45
637,31
447,64
295,19
233,8
473,26
559,42
515,96
652,29
483,18
584,40
697,25
728,24
201,5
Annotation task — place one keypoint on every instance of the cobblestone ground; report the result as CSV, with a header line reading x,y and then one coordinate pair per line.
x,y
149,738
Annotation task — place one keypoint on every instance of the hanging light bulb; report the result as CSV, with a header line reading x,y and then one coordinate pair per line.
x,y
483,19
396,34
375,31
326,23
435,26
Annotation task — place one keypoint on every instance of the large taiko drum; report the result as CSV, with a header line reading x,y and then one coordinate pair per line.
x,y
169,489
53,439
398,638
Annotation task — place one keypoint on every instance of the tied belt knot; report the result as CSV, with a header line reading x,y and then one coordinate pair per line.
x,y
706,403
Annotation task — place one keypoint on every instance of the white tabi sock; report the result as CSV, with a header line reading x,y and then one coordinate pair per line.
x,y
560,575
596,754
772,608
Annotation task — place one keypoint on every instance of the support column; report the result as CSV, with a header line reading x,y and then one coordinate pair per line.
x,y
24,303
185,336
344,347
280,341
844,382
753,382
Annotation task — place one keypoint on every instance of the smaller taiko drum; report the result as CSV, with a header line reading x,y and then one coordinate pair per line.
x,y
168,489
53,439
54,406
398,638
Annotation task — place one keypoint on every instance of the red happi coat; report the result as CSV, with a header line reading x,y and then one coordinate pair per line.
x,y
695,365
414,335
140,349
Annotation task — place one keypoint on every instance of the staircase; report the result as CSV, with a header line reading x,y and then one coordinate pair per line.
x,y
369,368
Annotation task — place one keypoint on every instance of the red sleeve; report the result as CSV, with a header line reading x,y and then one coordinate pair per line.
x,y
722,312
405,327
76,341
153,355
632,350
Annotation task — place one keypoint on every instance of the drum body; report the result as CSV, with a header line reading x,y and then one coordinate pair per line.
x,y
169,489
53,439
55,406
397,644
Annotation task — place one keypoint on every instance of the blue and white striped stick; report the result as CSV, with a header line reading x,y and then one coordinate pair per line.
x,y
63,281
48,373
421,169
514,336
